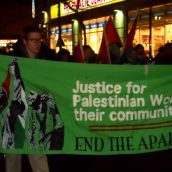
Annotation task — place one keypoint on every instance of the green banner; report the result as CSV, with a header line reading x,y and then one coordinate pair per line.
x,y
70,108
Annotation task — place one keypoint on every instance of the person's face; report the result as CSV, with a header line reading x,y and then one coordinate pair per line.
x,y
32,97
33,42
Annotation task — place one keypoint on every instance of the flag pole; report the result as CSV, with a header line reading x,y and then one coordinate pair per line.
x,y
150,29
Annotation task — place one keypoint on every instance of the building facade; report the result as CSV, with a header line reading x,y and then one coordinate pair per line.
x,y
154,27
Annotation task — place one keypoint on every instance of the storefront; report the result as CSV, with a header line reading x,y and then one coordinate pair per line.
x,y
161,26
93,26
161,29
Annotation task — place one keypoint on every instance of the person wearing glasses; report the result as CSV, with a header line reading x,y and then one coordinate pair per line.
x,y
30,45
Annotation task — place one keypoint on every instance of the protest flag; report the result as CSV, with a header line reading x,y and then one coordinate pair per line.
x,y
79,53
131,34
110,36
104,54
6,83
16,113
4,92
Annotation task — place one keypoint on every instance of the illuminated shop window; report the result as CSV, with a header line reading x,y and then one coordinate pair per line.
x,y
94,31
161,27
66,37
169,33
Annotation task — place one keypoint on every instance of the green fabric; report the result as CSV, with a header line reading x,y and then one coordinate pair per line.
x,y
118,109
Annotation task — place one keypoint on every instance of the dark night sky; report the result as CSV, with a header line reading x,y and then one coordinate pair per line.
x,y
14,15
16,1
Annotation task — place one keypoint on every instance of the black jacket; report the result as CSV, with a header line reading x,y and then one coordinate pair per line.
x,y
45,52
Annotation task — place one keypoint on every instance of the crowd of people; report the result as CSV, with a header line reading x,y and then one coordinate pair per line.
x,y
134,55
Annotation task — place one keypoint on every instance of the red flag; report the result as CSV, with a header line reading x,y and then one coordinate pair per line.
x,y
104,55
6,83
131,34
4,92
110,36
79,53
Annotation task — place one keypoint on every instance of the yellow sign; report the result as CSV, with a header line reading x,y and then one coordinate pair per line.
x,y
84,5
54,11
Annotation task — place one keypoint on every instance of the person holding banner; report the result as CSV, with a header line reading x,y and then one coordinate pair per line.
x,y
30,46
